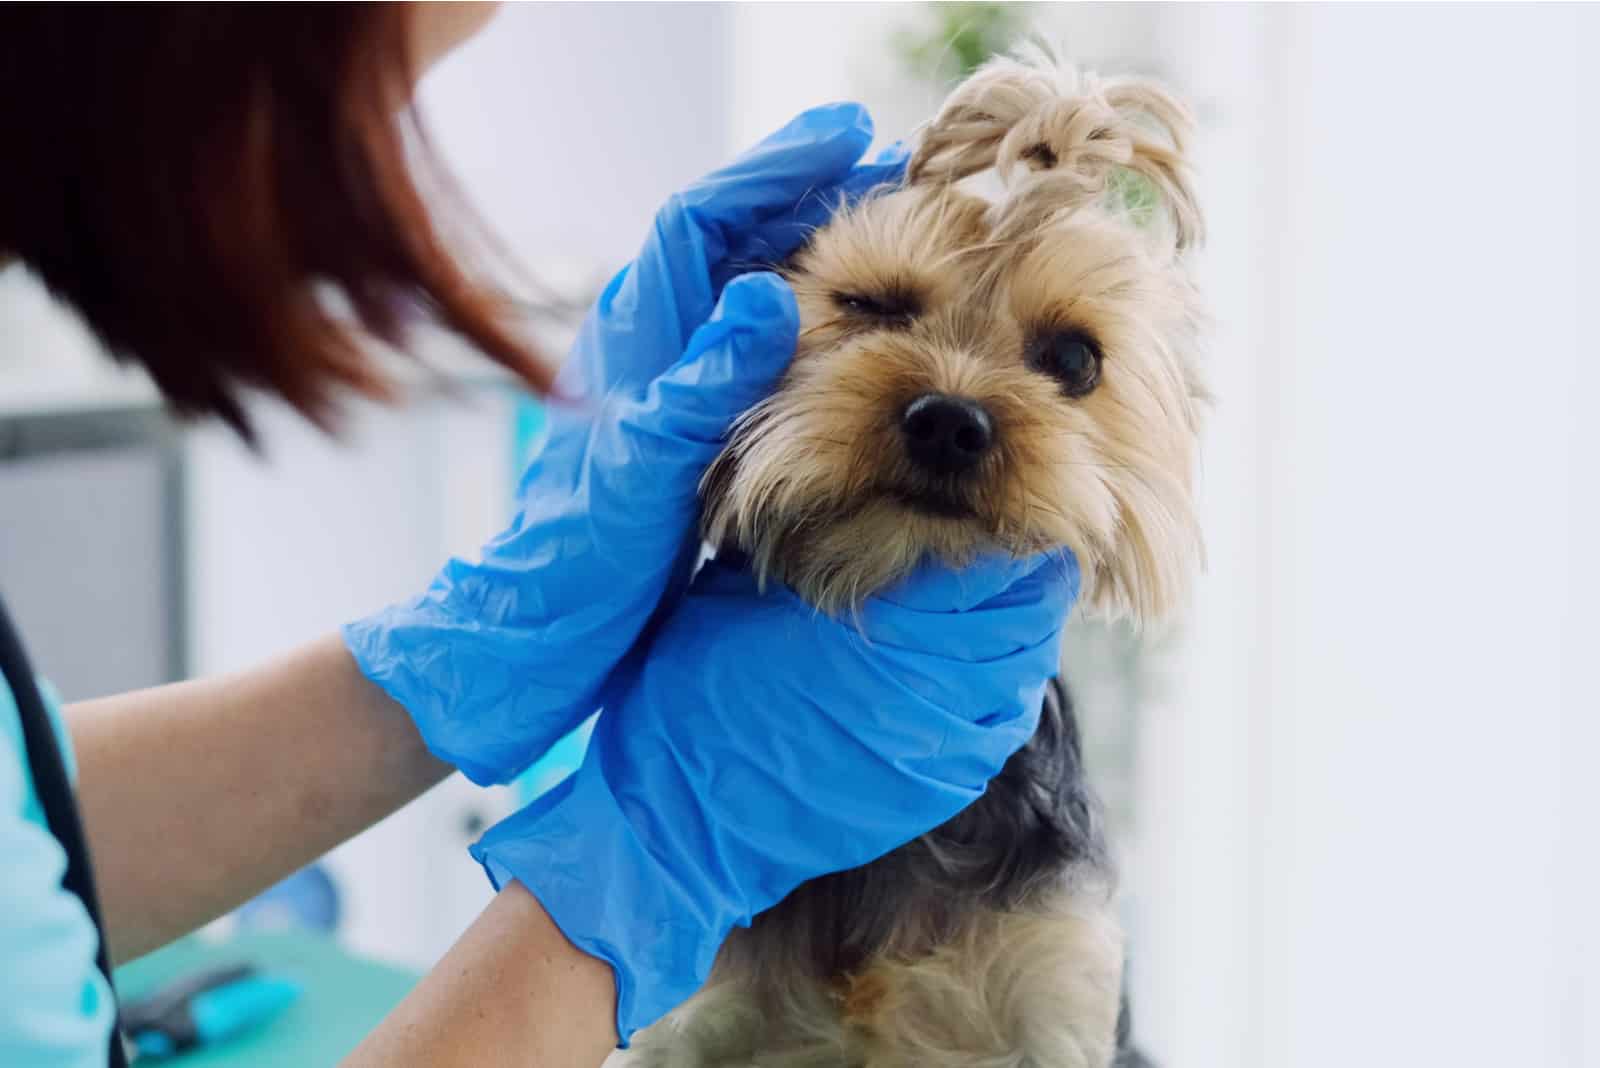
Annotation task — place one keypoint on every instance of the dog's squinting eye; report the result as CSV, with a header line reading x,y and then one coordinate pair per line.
x,y
1072,358
886,311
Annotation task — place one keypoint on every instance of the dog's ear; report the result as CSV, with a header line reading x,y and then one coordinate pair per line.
x,y
1056,135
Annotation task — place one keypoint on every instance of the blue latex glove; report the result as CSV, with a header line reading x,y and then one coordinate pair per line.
x,y
750,743
501,658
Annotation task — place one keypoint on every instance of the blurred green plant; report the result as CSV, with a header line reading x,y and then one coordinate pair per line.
x,y
955,38
1136,194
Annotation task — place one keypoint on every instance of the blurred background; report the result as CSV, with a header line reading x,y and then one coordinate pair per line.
x,y
1352,788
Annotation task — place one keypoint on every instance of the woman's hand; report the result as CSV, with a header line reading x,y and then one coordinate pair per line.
x,y
751,743
502,657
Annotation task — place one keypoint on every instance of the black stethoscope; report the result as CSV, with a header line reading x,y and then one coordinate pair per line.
x,y
54,790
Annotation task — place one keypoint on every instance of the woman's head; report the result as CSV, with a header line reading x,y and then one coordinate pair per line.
x,y
185,175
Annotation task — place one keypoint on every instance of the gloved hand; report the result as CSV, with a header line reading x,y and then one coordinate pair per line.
x,y
501,658
750,743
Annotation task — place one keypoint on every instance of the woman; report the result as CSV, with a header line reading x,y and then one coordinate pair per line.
x,y
182,176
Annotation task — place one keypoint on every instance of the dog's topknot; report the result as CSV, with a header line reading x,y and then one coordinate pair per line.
x,y
1057,137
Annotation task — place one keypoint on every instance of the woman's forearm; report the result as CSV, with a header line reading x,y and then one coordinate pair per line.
x,y
197,796
512,992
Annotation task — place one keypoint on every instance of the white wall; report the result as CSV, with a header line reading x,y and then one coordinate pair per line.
x,y
1420,455
567,124
1200,767
1580,1005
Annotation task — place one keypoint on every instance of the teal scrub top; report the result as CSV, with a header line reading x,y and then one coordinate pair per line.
x,y
55,1007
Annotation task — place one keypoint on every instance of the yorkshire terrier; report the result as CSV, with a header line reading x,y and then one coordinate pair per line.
x,y
997,353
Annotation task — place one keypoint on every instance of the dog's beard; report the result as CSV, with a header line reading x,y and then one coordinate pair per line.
x,y
836,535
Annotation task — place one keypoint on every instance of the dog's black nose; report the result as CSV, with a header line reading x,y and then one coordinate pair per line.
x,y
946,435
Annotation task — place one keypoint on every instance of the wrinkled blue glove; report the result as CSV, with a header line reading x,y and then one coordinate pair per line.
x,y
750,743
501,658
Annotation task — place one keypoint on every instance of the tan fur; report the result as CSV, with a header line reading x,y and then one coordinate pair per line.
x,y
1037,989
1083,226
1015,990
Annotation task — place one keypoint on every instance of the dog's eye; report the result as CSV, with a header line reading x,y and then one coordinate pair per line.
x,y
896,310
1071,358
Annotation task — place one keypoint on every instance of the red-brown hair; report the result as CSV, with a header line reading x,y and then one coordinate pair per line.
x,y
186,176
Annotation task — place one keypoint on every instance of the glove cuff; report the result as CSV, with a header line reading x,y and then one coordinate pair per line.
x,y
577,852
370,643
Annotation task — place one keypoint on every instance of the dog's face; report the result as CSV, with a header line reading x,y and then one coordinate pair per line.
x,y
1013,373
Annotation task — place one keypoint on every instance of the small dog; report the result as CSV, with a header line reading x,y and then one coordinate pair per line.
x,y
998,353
